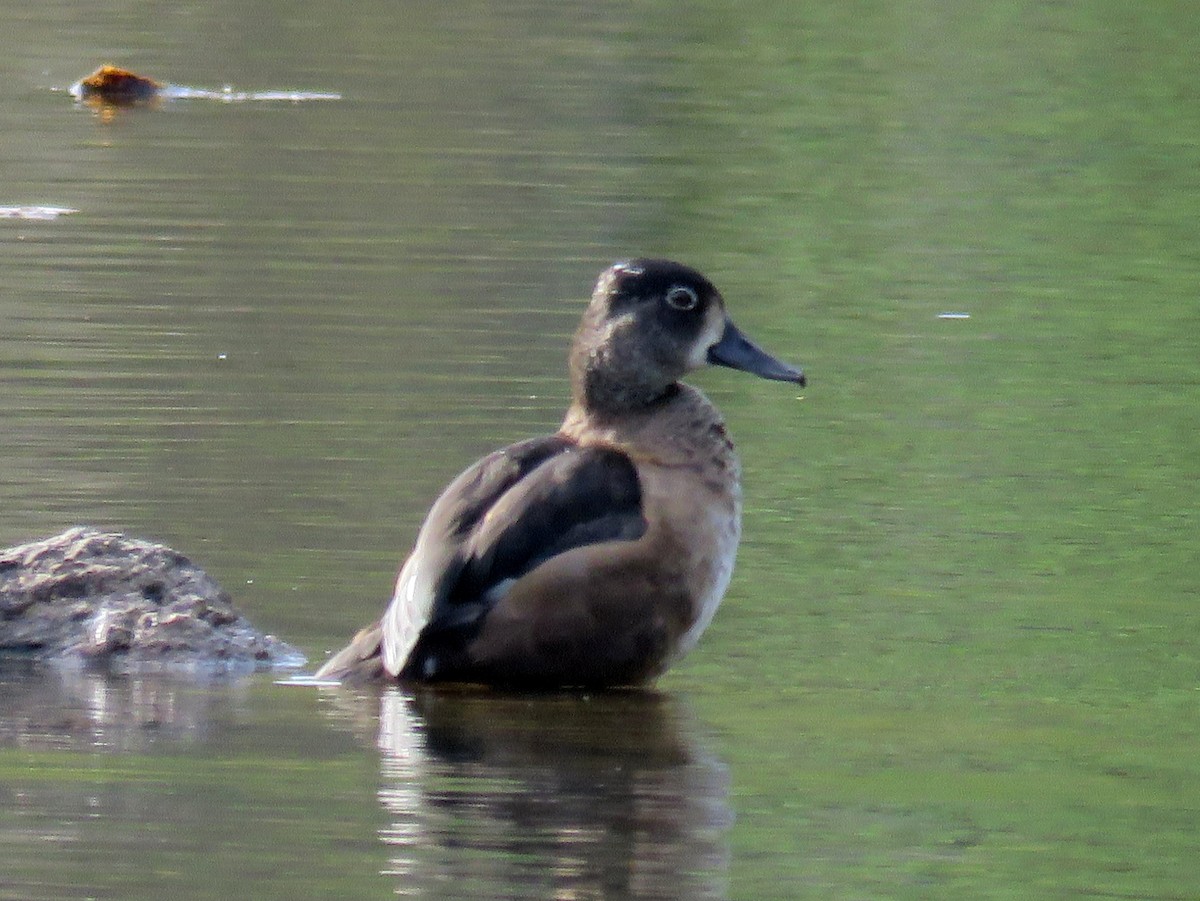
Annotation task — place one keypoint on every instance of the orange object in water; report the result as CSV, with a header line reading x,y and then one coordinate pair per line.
x,y
112,84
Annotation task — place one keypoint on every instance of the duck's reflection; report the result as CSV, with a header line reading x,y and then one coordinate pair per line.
x,y
613,796
562,797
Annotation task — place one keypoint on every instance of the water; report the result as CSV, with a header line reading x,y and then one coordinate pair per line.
x,y
959,655
138,788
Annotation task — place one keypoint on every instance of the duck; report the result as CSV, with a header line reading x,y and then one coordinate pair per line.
x,y
595,557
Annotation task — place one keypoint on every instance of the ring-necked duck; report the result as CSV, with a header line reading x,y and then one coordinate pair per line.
x,y
596,556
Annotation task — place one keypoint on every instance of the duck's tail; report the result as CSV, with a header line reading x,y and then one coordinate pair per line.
x,y
360,661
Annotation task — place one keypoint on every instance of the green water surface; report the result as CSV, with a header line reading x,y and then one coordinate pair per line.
x,y
960,657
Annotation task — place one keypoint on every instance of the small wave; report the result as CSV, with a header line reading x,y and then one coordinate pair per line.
x,y
229,95
34,212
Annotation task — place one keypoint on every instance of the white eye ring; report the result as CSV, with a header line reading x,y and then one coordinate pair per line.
x,y
681,297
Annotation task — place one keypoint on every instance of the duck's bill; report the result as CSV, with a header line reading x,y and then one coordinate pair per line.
x,y
737,351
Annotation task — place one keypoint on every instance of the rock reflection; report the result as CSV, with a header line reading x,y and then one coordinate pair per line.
x,y
52,708
563,797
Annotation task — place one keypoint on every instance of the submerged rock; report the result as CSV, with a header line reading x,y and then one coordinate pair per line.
x,y
104,598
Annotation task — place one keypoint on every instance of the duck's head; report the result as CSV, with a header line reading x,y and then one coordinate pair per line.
x,y
649,323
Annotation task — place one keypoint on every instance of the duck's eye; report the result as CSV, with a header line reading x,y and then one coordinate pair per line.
x,y
681,297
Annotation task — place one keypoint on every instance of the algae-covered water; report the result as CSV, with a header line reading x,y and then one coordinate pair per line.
x,y
960,657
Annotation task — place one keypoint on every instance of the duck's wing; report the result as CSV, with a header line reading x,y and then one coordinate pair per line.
x,y
511,511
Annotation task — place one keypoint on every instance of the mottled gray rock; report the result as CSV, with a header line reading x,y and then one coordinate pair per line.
x,y
129,604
